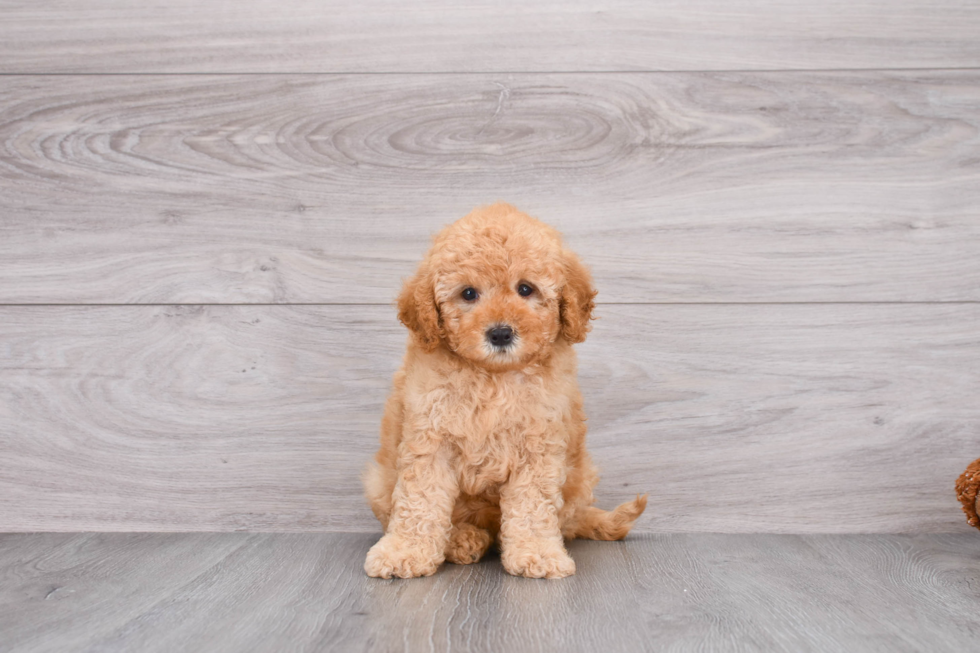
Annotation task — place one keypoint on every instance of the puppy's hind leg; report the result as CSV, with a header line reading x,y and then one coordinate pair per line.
x,y
467,544
476,522
379,483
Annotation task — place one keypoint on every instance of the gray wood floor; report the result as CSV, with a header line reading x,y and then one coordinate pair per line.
x,y
306,592
207,207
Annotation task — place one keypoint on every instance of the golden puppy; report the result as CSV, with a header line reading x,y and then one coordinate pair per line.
x,y
483,436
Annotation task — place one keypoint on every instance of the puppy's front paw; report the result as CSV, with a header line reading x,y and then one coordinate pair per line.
x,y
538,560
393,556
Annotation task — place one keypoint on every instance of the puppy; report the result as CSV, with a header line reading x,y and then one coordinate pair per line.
x,y
483,436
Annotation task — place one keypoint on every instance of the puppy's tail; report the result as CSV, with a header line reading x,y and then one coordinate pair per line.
x,y
591,523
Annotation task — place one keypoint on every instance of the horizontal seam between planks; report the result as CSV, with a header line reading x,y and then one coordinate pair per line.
x,y
495,72
389,304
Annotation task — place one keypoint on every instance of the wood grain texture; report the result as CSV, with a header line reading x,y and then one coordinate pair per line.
x,y
191,36
318,189
775,418
307,592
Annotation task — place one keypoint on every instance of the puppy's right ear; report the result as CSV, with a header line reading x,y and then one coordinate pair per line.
x,y
417,309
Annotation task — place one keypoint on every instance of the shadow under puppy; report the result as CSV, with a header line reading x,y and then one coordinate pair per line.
x,y
483,436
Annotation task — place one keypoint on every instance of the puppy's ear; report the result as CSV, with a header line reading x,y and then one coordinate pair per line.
x,y
417,309
577,299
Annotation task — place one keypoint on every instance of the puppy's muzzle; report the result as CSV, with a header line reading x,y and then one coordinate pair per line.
x,y
501,337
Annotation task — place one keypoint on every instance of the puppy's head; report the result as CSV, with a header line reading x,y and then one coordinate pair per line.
x,y
498,289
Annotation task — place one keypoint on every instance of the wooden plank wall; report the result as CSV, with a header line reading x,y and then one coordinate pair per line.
x,y
206,210
324,36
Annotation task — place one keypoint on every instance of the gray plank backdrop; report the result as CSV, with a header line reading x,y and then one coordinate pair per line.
x,y
191,36
206,209
306,189
775,418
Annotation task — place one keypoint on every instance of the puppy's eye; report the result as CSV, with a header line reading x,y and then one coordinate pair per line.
x,y
524,290
470,294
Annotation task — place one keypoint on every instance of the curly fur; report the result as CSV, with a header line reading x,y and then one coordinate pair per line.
x,y
479,444
967,486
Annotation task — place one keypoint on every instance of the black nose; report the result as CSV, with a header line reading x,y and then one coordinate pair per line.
x,y
500,336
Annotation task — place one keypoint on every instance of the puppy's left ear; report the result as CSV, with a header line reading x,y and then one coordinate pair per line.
x,y
577,300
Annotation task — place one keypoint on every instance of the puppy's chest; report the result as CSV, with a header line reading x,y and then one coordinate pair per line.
x,y
493,422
